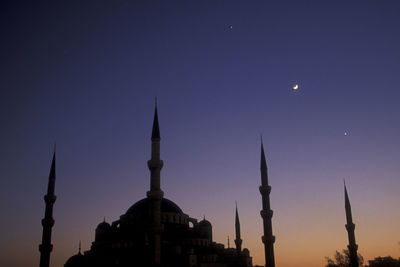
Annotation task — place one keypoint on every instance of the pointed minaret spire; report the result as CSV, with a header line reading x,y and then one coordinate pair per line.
x,y
238,240
266,213
349,217
155,194
350,226
263,165
228,243
156,129
79,251
46,247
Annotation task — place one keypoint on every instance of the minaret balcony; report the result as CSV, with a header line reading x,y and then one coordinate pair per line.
x,y
352,247
50,199
155,164
266,214
238,242
350,226
265,190
49,222
268,240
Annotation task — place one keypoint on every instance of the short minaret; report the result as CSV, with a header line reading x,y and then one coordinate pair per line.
x,y
155,194
350,226
266,213
238,240
46,247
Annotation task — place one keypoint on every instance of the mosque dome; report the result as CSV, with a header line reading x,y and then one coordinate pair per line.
x,y
142,207
103,226
204,224
77,260
205,229
246,252
103,231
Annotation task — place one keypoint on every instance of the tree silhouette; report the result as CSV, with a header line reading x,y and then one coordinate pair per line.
x,y
342,259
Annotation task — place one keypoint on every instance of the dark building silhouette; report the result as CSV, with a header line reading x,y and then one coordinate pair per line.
x,y
384,262
266,213
350,226
156,232
46,247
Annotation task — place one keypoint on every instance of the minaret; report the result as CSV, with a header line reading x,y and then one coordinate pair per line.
x,y
266,213
46,247
155,194
238,240
350,226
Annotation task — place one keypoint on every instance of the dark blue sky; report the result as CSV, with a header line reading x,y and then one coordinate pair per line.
x,y
84,74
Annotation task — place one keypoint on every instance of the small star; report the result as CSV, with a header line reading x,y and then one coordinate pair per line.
x,y
295,87
345,133
231,27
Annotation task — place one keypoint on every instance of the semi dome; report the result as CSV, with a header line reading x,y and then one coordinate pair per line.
x,y
142,207
77,260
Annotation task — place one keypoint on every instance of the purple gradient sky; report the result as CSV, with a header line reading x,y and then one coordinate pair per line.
x,y
84,74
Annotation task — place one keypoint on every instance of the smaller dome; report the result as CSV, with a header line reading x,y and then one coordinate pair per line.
x,y
204,224
77,260
204,229
103,231
104,226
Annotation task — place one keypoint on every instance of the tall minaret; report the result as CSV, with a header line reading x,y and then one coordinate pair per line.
x,y
266,213
350,226
46,247
238,240
155,194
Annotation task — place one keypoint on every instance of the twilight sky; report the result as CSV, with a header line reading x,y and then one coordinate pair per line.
x,y
84,74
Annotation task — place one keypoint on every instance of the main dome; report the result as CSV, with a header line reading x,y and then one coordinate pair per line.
x,y
142,206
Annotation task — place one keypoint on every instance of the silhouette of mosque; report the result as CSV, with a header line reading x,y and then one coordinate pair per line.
x,y
156,232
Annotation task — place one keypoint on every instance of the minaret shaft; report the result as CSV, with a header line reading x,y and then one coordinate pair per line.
x,y
155,164
46,247
350,227
155,194
266,213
